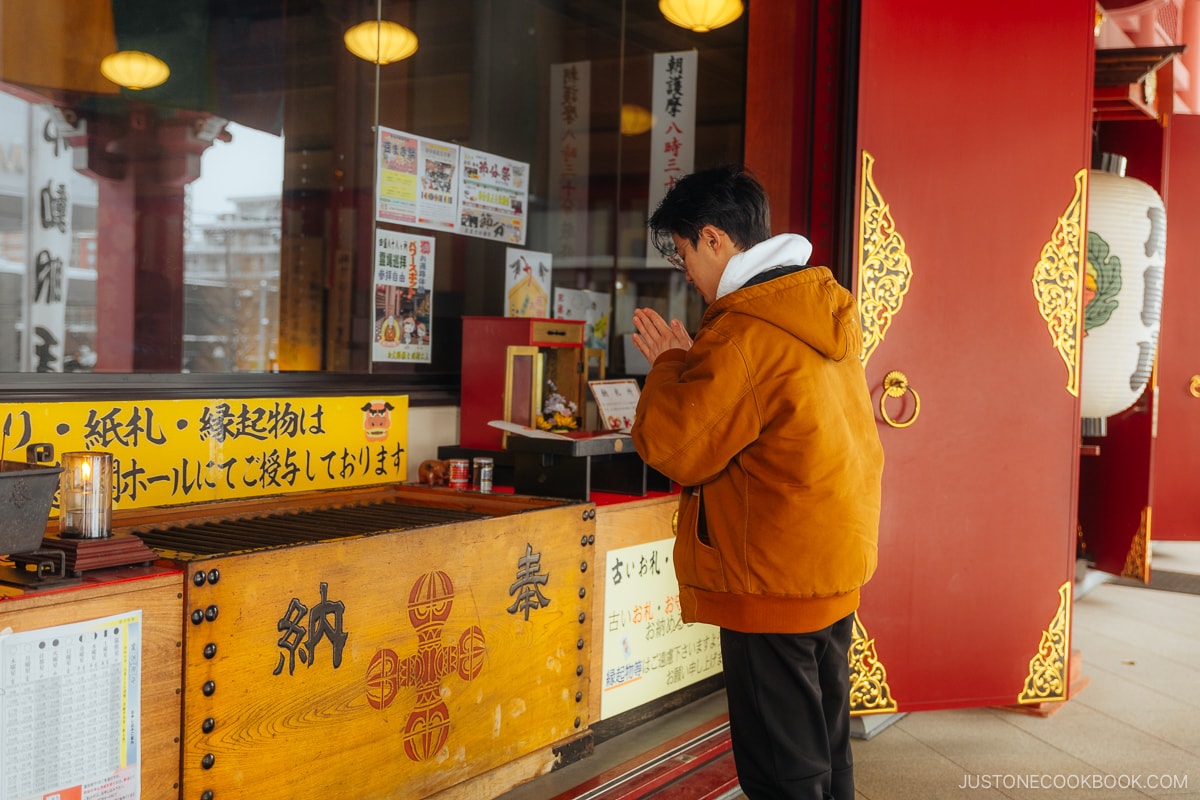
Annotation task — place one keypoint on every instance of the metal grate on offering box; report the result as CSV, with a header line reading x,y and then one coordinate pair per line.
x,y
286,529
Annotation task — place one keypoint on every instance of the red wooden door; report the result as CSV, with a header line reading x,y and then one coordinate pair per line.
x,y
973,131
1176,495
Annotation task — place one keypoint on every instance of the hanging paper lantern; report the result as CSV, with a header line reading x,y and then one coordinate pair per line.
x,y
700,16
134,69
380,41
1122,296
635,120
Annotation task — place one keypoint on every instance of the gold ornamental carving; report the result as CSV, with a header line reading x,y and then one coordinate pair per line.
x,y
884,269
1137,561
1057,282
1048,678
869,691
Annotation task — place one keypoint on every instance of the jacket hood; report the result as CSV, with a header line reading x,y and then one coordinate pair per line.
x,y
784,250
809,305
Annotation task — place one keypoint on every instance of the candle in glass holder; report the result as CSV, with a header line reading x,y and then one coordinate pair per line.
x,y
85,495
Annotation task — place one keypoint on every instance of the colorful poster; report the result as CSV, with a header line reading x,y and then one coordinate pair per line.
x,y
403,325
673,137
417,182
396,183
591,307
570,126
71,710
648,650
437,204
527,283
171,452
495,196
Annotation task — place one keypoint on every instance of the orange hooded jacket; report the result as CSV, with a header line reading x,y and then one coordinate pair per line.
x,y
768,425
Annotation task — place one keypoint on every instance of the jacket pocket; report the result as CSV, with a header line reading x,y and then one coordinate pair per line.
x,y
697,563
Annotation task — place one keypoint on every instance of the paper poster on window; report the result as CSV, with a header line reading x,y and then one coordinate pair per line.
x,y
417,183
437,203
570,126
494,198
527,283
648,650
403,325
591,307
70,709
673,137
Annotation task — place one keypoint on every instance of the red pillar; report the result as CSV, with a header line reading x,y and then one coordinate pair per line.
x,y
142,164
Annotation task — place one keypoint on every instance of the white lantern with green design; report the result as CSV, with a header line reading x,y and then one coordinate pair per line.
x,y
1126,253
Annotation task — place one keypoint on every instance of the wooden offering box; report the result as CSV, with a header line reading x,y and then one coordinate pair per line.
x,y
390,643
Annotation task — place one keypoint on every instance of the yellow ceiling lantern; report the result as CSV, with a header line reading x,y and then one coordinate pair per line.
x,y
134,69
635,120
380,41
700,16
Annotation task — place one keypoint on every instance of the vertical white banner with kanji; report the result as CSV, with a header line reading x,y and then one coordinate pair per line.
x,y
403,324
48,221
673,137
570,126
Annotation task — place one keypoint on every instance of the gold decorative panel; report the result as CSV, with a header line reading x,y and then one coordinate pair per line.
x,y
869,691
884,268
1048,678
1057,282
1137,562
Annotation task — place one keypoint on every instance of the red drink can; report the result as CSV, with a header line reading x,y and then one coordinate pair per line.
x,y
460,473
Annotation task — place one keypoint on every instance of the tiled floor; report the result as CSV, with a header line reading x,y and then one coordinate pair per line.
x,y
1132,732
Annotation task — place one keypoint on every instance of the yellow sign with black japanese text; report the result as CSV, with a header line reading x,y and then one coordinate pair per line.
x,y
171,452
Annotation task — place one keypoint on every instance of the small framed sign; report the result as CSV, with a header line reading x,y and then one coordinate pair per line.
x,y
616,402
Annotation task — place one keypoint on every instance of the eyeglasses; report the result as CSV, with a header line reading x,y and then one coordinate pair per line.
x,y
676,261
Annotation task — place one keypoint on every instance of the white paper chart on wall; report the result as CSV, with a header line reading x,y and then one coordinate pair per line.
x,y
70,709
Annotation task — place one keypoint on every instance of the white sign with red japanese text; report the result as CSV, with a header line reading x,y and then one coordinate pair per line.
x,y
403,323
648,650
673,137
570,123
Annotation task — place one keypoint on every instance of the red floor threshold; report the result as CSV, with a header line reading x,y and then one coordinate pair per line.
x,y
697,765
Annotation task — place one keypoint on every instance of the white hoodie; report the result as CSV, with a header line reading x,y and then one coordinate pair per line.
x,y
786,249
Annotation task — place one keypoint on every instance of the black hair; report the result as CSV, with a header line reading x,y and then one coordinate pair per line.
x,y
727,197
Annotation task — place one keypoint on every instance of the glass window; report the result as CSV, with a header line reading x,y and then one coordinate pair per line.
x,y
233,215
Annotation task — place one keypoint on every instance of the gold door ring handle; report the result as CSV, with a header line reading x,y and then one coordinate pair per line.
x,y
1194,386
895,384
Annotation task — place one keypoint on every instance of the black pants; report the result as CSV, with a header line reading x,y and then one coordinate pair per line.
x,y
789,712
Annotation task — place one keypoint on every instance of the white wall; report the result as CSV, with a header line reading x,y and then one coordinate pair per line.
x,y
429,427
